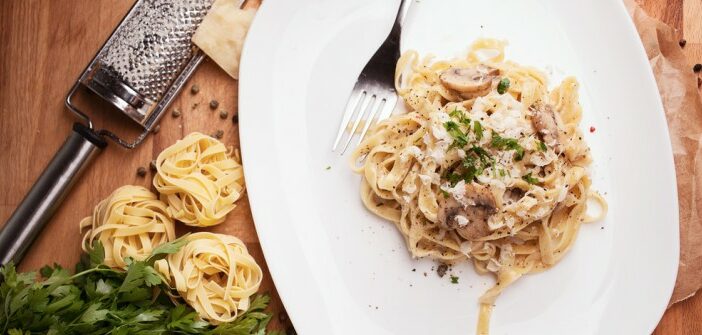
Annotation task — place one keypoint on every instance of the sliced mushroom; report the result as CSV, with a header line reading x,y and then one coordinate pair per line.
x,y
546,124
468,216
513,194
469,82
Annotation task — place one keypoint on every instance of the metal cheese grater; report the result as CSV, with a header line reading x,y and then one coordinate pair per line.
x,y
139,70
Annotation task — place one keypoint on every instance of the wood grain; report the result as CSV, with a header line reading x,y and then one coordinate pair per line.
x,y
45,44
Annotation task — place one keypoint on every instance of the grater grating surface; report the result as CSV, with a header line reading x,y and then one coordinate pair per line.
x,y
153,46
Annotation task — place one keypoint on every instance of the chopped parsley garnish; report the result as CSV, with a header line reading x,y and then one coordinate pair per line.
x,y
459,138
483,155
529,179
454,279
502,172
503,85
458,114
446,194
542,146
478,130
454,178
328,167
502,143
474,164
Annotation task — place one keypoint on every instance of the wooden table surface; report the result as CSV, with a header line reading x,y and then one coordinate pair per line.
x,y
45,44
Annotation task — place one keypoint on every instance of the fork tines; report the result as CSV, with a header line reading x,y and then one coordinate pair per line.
x,y
369,106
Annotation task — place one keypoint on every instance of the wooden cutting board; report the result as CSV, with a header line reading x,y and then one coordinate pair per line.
x,y
44,45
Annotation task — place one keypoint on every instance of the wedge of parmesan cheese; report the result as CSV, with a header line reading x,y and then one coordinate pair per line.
x,y
221,34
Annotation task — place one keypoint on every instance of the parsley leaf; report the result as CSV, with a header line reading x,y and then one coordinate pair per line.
x,y
529,179
502,143
96,254
454,279
503,86
459,138
542,146
458,114
100,300
478,130
166,249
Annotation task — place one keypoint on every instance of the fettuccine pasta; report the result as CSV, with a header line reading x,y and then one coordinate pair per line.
x,y
131,222
214,274
199,180
488,165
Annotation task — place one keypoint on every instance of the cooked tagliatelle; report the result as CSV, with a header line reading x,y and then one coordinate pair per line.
x,y
131,222
199,180
214,274
488,165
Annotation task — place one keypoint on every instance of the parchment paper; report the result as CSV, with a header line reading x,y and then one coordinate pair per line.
x,y
677,85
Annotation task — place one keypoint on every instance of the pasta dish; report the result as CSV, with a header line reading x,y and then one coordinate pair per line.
x,y
488,165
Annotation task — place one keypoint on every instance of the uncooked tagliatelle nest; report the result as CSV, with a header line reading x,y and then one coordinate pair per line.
x,y
214,274
131,222
199,180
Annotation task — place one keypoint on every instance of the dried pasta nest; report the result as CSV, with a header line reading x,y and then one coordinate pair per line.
x,y
131,222
199,180
214,274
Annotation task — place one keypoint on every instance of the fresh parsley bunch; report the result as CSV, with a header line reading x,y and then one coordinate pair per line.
x,y
101,300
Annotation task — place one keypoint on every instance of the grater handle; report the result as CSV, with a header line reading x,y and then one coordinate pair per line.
x,y
47,193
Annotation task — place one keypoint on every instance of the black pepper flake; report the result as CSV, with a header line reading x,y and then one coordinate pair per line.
x,y
697,68
441,270
414,270
214,104
156,129
141,171
218,134
152,166
682,42
175,112
195,89
223,115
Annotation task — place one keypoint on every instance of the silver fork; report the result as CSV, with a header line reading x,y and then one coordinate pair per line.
x,y
373,98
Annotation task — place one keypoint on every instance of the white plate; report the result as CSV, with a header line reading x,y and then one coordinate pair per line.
x,y
340,270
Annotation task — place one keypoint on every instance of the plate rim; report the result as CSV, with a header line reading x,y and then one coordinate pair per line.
x,y
247,107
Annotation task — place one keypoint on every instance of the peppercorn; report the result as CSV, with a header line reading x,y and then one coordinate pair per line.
x,y
141,171
195,89
214,104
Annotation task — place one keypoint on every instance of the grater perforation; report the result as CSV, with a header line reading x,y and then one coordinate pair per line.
x,y
148,55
